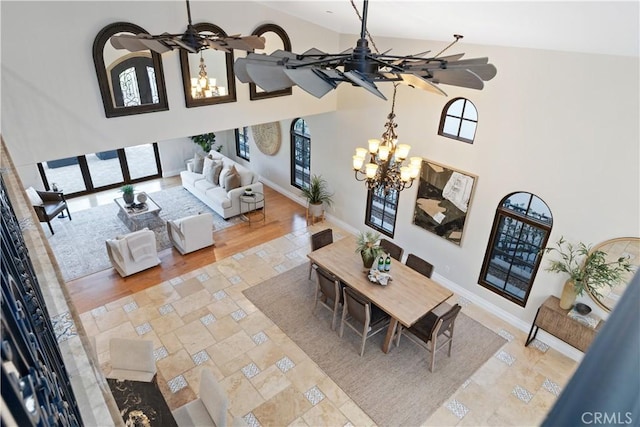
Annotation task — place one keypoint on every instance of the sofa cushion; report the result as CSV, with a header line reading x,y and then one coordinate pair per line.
x,y
218,197
223,174
203,185
198,163
207,165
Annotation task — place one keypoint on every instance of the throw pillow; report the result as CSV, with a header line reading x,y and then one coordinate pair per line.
x,y
198,163
217,168
34,197
223,175
207,166
231,181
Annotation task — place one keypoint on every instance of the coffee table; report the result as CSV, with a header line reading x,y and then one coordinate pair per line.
x,y
139,215
141,403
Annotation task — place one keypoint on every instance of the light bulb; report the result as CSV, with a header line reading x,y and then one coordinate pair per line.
x,y
361,152
373,145
402,151
405,173
383,152
416,161
371,169
357,162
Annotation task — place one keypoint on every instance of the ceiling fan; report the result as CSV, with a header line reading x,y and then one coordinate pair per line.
x,y
191,41
318,72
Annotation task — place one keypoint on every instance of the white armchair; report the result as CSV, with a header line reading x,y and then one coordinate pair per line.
x,y
132,359
133,252
191,233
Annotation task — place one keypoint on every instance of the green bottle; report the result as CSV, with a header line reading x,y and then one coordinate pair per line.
x,y
387,264
380,263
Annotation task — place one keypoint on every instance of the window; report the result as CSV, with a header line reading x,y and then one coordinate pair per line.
x,y
520,231
242,143
459,120
300,154
382,210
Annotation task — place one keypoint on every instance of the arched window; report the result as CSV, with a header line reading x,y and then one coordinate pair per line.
x,y
520,231
459,120
300,154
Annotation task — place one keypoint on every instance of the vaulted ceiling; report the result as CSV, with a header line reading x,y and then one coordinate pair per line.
x,y
607,27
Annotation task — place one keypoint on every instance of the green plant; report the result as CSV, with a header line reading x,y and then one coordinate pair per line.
x,y
317,192
127,189
585,267
367,244
206,141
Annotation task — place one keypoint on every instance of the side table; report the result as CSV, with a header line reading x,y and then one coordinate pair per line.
x,y
251,202
557,322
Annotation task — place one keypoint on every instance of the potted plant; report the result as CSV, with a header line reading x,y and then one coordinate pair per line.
x,y
317,195
206,141
368,245
127,193
585,268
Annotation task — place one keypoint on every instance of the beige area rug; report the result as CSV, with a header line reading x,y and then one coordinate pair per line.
x,y
394,389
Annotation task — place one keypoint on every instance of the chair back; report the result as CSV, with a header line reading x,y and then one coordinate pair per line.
x,y
445,322
356,305
418,264
321,239
392,249
329,285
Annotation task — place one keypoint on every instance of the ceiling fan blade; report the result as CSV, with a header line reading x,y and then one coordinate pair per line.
x,y
238,43
458,77
315,52
310,81
240,70
129,42
484,71
418,82
217,45
155,45
269,77
179,43
359,80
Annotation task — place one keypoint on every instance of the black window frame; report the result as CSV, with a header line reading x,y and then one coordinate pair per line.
x,y
300,154
388,209
242,148
510,216
446,114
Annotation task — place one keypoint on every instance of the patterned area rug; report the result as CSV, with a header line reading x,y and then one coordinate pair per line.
x,y
79,244
394,389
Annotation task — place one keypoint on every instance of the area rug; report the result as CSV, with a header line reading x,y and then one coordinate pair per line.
x,y
141,403
394,389
79,244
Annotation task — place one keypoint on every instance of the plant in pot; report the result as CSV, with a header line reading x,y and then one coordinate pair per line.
x,y
585,268
127,193
206,141
317,195
368,245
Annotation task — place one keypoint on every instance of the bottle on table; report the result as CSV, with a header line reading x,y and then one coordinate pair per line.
x,y
381,263
387,264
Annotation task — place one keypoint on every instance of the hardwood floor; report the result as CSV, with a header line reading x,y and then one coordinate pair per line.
x,y
282,217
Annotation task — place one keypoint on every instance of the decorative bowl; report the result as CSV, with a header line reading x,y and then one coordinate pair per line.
x,y
583,309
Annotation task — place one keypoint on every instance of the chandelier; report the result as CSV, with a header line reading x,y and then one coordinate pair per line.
x,y
203,86
388,167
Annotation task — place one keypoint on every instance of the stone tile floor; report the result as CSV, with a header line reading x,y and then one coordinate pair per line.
x,y
201,320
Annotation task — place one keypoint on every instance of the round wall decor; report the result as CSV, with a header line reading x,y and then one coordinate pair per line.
x,y
267,137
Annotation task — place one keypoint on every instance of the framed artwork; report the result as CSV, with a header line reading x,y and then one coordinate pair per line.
x,y
443,199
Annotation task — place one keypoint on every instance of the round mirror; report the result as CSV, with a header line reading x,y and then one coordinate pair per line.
x,y
615,249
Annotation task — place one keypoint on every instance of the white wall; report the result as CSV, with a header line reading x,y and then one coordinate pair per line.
x,y
563,126
50,94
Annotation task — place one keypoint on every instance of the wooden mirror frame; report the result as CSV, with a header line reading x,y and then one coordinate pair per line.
x,y
110,109
621,246
186,75
253,90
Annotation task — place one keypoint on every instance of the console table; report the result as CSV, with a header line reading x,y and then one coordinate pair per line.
x,y
557,322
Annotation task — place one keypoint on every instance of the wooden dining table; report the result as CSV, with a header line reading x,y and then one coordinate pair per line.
x,y
406,298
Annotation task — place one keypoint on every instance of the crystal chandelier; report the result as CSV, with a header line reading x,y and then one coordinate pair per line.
x,y
388,167
203,86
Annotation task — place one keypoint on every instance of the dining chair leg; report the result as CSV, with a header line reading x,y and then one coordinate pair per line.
x,y
433,355
398,334
342,320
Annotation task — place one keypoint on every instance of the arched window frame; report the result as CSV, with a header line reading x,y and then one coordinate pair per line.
x,y
286,42
242,143
382,210
110,108
466,117
507,239
300,155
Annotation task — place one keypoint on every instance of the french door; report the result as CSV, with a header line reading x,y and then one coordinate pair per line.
x,y
93,172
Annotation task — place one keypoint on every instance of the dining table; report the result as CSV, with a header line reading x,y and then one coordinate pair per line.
x,y
406,298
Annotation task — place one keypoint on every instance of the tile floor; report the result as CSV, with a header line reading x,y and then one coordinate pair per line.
x,y
201,320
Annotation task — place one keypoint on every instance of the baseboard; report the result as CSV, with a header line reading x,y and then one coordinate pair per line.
x,y
547,338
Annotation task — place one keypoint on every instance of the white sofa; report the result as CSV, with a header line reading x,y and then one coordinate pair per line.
x,y
223,202
133,252
191,233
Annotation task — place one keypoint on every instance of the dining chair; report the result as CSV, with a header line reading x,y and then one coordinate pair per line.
x,y
428,330
132,359
328,293
362,316
392,249
320,240
418,264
